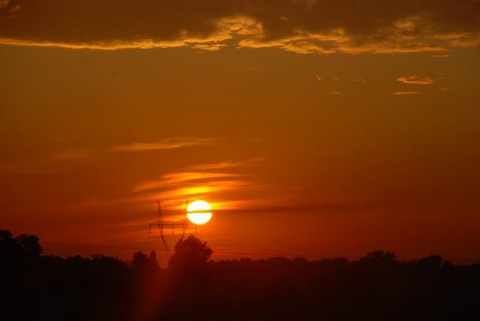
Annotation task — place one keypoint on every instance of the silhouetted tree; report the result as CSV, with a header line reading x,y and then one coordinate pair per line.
x,y
8,246
430,262
16,252
30,244
190,277
375,287
189,253
139,259
379,257
152,258
144,262
5,235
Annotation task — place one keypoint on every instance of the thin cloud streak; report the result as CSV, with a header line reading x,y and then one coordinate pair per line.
x,y
406,93
181,178
67,159
225,165
170,143
4,3
304,27
446,55
223,186
178,195
415,80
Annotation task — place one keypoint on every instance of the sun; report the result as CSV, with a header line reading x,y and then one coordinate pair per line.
x,y
199,212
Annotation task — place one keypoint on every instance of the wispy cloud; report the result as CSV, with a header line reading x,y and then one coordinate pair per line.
x,y
445,55
4,3
465,41
182,178
169,143
406,93
416,80
227,183
229,164
67,159
304,27
212,191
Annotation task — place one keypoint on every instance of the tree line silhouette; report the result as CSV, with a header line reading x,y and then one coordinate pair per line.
x,y
374,287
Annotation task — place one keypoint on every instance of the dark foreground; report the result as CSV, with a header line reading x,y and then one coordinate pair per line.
x,y
375,287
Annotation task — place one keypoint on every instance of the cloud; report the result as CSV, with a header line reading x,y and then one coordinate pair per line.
x,y
169,143
227,184
224,165
183,178
445,55
465,41
406,93
304,27
66,160
199,174
359,80
415,80
4,3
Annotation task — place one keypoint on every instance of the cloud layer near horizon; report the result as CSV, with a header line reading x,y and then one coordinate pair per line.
x,y
301,26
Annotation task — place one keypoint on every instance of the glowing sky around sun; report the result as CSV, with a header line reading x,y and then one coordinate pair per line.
x,y
342,126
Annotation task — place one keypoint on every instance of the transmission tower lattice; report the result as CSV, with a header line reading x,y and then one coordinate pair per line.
x,y
161,225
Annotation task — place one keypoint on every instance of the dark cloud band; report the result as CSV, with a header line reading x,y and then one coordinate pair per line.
x,y
302,26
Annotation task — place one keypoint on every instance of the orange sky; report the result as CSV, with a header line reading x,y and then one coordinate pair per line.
x,y
314,128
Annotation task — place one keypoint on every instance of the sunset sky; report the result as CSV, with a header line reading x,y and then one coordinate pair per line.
x,y
314,128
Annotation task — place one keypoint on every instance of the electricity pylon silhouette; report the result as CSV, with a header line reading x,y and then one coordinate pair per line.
x,y
161,225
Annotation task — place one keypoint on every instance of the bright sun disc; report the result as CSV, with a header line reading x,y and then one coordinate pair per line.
x,y
199,212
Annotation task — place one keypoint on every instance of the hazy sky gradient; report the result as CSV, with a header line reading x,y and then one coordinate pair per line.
x,y
313,128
